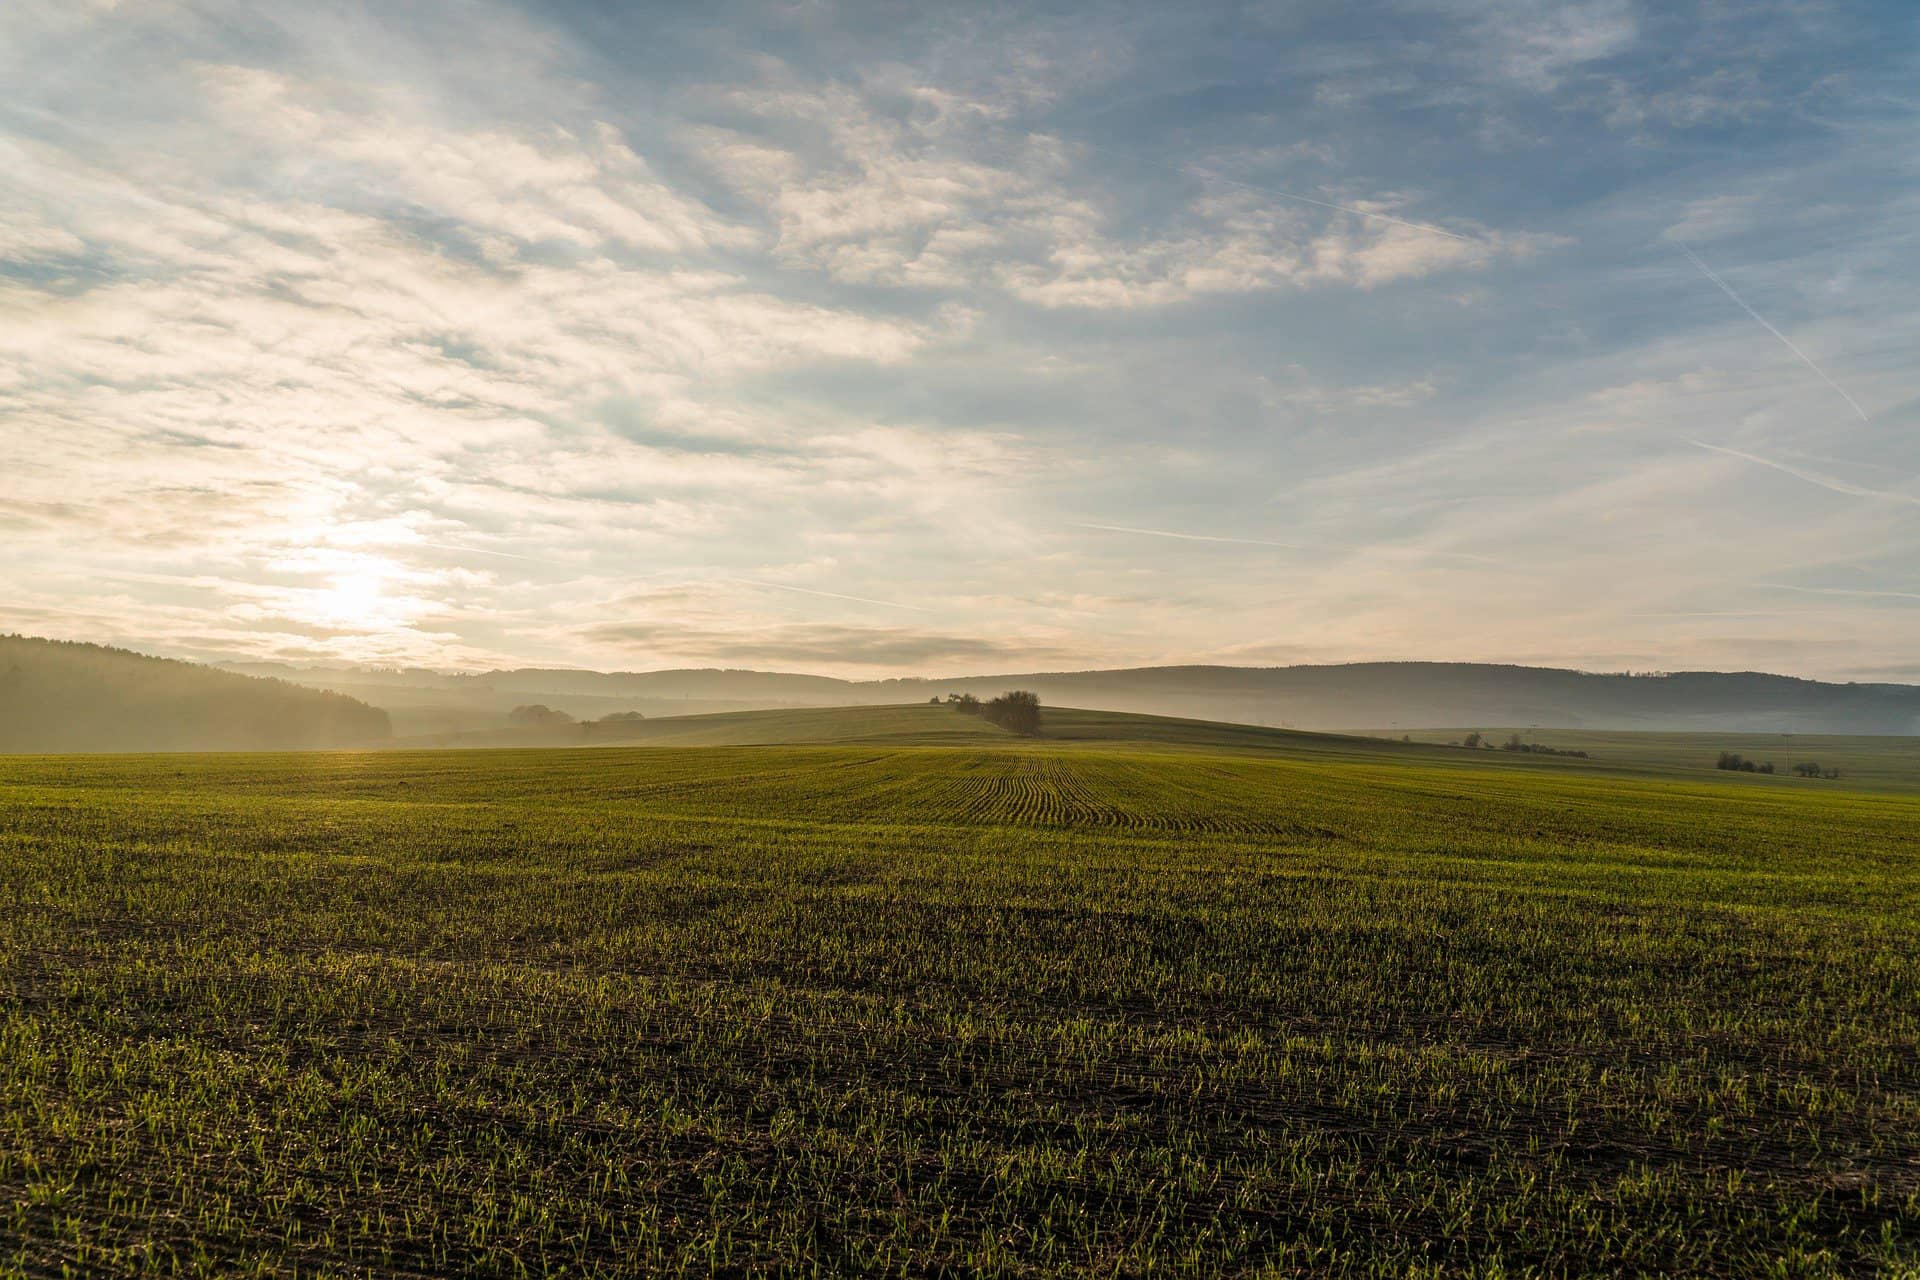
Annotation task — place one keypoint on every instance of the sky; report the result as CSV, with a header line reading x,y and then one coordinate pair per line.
x,y
877,339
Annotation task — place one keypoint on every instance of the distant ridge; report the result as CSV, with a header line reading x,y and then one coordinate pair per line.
x,y
60,696
1363,695
1380,695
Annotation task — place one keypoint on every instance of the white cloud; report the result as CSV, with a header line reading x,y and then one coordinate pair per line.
x,y
1251,249
588,190
254,368
869,197
1534,43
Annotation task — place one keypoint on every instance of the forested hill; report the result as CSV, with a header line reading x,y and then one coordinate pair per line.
x,y
59,696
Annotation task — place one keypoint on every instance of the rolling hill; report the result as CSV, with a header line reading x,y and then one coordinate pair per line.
x,y
1405,695
1373,695
1865,762
57,696
917,725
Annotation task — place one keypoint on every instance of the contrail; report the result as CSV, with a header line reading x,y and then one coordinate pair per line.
x,y
831,595
1416,552
1730,613
482,551
1831,483
1842,591
1785,340
1189,537
1432,554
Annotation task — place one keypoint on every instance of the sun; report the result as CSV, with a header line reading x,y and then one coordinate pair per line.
x,y
351,591
351,599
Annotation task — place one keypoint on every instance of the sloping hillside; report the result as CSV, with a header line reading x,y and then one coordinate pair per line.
x,y
1405,695
57,696
930,726
1871,763
1368,695
425,702
804,726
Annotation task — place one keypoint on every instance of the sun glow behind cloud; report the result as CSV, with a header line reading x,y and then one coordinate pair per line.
x,y
521,339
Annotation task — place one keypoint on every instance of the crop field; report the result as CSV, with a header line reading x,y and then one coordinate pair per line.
x,y
1863,762
978,1008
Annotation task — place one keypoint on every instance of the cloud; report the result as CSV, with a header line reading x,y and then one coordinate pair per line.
x,y
1245,239
1251,250
414,335
228,352
1535,43
1713,217
836,595
532,186
1301,392
824,644
869,195
1188,537
17,516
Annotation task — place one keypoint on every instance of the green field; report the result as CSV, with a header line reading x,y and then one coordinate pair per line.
x,y
1862,761
911,724
1140,998
1874,763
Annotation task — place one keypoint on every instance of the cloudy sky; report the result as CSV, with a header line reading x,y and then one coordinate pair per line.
x,y
882,338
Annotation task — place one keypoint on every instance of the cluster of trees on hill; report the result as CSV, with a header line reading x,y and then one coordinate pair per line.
x,y
1539,749
1513,743
1017,711
1740,764
64,696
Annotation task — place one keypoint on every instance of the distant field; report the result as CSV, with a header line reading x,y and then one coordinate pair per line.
x,y
1861,760
1871,762
1286,1002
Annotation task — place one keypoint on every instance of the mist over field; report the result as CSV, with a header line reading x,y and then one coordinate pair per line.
x,y
62,697
72,697
1349,696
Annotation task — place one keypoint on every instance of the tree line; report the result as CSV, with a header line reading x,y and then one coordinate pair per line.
x,y
1740,764
1513,743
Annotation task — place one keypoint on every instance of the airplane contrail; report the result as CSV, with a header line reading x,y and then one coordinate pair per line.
x,y
1833,484
1729,613
1189,537
1416,552
482,551
831,595
1784,339
1843,591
